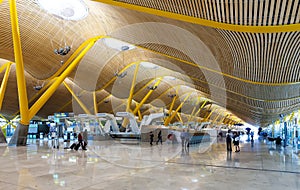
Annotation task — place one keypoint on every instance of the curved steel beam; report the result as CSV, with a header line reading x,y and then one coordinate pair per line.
x,y
204,22
4,83
48,93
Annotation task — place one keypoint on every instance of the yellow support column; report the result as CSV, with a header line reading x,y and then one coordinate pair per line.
x,y
194,109
4,66
21,82
172,105
4,126
169,119
38,93
179,117
128,109
95,103
105,98
77,99
106,85
44,98
140,115
292,116
202,106
7,121
217,117
206,119
146,97
223,120
4,84
145,86
171,108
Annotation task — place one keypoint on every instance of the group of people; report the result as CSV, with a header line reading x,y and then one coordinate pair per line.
x,y
185,138
235,138
159,138
249,133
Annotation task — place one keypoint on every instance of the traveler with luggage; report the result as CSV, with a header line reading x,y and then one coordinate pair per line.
x,y
80,142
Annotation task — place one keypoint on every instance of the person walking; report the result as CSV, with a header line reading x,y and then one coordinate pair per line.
x,y
228,140
159,137
151,138
236,142
80,141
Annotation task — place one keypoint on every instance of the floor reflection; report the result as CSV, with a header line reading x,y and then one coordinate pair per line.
x,y
110,164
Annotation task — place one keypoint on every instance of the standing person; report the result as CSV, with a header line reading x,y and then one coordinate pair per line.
x,y
187,138
228,140
85,139
236,142
248,129
54,139
151,138
159,137
182,136
252,135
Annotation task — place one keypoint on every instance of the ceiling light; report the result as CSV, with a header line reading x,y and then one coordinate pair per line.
x,y
38,87
169,78
117,44
65,9
171,95
152,87
149,65
62,51
120,75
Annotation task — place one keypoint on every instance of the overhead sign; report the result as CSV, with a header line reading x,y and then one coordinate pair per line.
x,y
101,114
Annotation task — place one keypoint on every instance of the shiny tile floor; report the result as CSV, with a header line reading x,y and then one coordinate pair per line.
x,y
114,165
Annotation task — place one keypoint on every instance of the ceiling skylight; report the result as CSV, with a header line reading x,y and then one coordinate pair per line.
x,y
65,9
169,78
149,65
117,44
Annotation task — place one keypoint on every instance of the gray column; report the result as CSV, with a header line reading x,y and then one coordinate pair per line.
x,y
2,137
20,136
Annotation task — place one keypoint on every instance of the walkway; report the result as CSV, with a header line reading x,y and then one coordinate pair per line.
x,y
111,165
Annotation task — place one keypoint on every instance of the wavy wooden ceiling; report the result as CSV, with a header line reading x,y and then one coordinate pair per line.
x,y
254,75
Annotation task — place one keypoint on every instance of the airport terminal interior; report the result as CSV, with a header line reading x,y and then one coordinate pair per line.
x,y
149,94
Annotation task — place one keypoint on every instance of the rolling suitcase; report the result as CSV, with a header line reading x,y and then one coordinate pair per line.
x,y
73,146
77,146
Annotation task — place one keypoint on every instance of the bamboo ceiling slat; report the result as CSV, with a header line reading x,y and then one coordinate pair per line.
x,y
246,12
237,66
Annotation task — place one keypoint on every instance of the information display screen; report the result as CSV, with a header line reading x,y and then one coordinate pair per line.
x,y
33,128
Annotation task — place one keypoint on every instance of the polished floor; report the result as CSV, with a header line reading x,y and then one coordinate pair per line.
x,y
118,166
